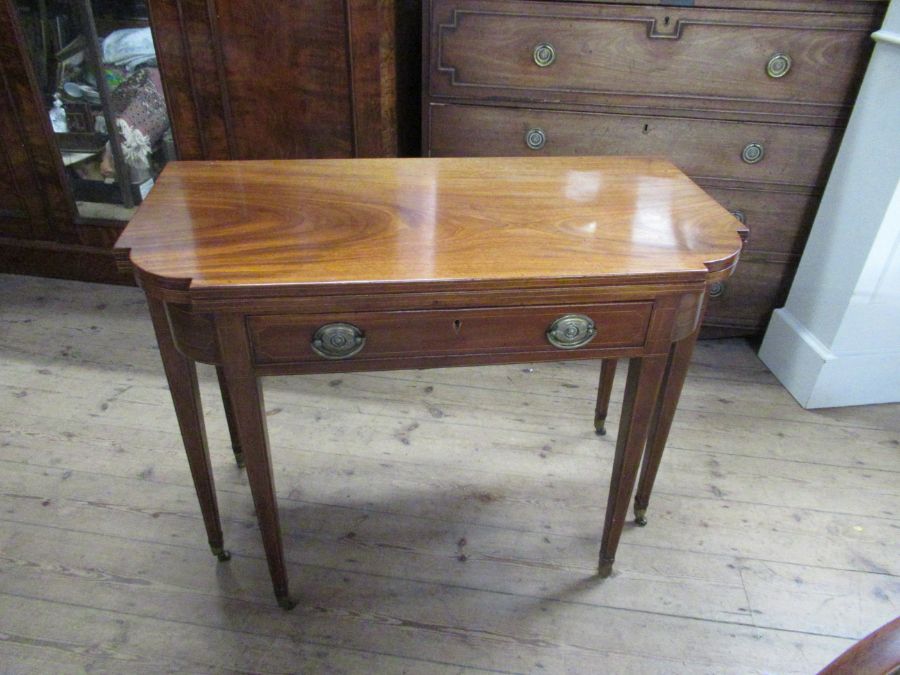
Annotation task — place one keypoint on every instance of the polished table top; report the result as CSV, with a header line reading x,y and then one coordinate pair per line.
x,y
324,224
271,268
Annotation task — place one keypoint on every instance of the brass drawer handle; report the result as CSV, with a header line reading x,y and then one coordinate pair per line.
x,y
752,153
338,341
740,215
571,331
544,54
535,138
778,66
716,289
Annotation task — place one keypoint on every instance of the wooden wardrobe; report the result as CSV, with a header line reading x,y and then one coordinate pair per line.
x,y
242,80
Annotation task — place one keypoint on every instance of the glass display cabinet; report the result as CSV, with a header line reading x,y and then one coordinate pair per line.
x,y
99,81
85,125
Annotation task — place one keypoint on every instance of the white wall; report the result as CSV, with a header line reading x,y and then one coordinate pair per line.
x,y
836,342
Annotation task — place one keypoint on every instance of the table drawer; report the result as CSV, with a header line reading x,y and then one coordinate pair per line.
x,y
389,335
579,53
767,153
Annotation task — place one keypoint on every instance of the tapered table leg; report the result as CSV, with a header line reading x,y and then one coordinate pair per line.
x,y
181,374
641,388
604,391
245,393
229,418
661,423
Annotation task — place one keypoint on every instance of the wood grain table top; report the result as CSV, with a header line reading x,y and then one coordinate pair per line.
x,y
395,222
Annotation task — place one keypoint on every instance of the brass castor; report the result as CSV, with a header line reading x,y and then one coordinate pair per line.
x,y
239,458
221,553
604,569
640,517
600,427
286,602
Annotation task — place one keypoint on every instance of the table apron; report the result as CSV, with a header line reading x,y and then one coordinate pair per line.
x,y
432,338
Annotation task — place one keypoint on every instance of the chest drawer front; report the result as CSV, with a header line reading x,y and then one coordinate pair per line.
x,y
746,299
573,53
778,220
285,339
788,154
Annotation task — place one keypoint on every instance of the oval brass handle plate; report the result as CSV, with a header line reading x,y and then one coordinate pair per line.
x,y
778,66
752,153
544,54
716,289
535,138
338,341
571,331
740,215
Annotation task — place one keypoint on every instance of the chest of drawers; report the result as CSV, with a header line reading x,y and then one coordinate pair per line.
x,y
748,98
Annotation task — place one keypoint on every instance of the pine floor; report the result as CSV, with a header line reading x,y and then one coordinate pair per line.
x,y
442,521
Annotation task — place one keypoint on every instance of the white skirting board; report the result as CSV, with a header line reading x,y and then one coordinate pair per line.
x,y
837,340
819,378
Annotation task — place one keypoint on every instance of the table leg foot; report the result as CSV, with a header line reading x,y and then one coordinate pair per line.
x,y
640,517
604,391
661,423
243,391
604,570
230,418
286,602
644,377
181,374
222,554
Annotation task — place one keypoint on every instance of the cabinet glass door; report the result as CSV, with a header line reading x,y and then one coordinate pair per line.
x,y
95,66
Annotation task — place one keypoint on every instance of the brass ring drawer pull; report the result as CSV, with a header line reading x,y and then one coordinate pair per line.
x,y
716,289
752,153
778,66
338,341
535,138
740,215
544,54
571,331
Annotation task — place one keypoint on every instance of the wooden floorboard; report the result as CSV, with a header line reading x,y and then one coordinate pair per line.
x,y
435,521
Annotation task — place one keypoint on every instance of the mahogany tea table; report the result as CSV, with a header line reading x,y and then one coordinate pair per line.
x,y
319,266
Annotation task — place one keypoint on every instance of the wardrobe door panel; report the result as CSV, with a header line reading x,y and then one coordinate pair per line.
x,y
278,80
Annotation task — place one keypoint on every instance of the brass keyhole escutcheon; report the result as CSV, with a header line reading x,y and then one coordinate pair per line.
x,y
457,326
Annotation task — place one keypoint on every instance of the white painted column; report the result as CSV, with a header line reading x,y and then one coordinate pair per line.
x,y
836,342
